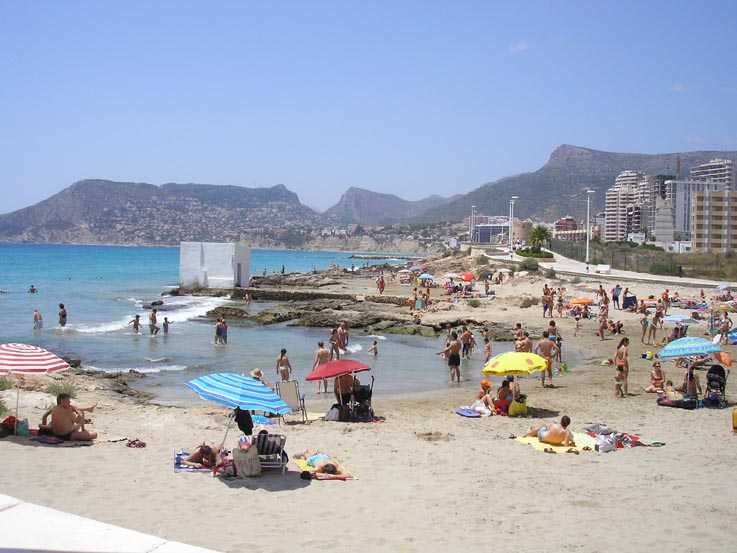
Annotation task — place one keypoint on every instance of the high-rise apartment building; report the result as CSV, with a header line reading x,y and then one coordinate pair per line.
x,y
623,213
717,170
714,220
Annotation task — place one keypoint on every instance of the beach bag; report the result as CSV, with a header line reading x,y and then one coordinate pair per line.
x,y
518,408
23,429
333,414
345,414
245,459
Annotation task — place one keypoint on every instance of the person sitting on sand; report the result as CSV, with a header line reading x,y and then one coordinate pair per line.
x,y
556,434
657,379
204,456
67,421
319,463
504,397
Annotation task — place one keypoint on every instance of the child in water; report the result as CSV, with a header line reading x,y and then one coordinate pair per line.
x,y
374,348
166,325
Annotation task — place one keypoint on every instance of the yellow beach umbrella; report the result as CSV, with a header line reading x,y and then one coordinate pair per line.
x,y
514,362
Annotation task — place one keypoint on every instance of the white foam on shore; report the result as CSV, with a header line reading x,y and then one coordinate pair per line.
x,y
376,336
354,348
146,370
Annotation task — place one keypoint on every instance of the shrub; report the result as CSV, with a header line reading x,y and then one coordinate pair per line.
x,y
538,255
576,280
529,264
3,409
482,260
5,383
448,252
65,386
474,303
482,274
550,273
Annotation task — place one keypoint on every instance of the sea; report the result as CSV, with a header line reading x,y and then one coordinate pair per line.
x,y
103,287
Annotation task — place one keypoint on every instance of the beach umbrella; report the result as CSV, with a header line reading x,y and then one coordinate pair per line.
x,y
683,319
404,271
690,345
235,390
724,358
427,276
451,275
26,359
514,362
467,276
585,289
339,367
722,286
416,267
582,301
723,307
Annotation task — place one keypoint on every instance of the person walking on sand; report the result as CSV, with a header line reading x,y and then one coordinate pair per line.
x,y
453,351
136,322
547,349
322,356
283,366
38,320
62,315
152,328
645,323
621,360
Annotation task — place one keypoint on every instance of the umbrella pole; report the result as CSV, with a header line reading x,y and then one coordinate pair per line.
x,y
227,428
17,399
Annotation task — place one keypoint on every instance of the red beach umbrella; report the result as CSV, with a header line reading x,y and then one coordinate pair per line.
x,y
331,369
26,359
467,277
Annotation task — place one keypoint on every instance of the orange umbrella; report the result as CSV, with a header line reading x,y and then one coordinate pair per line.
x,y
582,301
724,358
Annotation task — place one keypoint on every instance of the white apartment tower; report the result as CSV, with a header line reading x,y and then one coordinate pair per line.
x,y
623,206
717,170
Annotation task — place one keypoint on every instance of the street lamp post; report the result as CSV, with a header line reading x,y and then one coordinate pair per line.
x,y
511,226
589,193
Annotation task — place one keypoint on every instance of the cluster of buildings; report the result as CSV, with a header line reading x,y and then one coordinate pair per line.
x,y
698,213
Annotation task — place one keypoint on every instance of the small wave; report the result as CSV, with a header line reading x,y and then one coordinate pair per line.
x,y
354,348
157,359
145,370
376,336
92,328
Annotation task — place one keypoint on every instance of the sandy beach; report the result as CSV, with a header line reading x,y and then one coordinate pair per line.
x,y
428,479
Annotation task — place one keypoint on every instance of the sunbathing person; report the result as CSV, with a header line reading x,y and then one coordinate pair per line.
x,y
67,421
319,463
657,378
204,456
556,434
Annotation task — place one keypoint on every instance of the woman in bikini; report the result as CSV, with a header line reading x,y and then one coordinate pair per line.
x,y
283,367
620,360
657,379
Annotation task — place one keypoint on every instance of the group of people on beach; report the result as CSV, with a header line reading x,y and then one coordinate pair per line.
x,y
153,327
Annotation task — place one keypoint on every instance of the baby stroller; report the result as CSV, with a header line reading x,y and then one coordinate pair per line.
x,y
361,401
715,394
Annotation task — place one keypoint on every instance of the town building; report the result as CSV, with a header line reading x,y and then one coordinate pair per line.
x,y
214,265
714,220
623,210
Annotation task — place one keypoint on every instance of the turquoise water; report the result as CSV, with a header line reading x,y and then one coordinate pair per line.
x,y
103,287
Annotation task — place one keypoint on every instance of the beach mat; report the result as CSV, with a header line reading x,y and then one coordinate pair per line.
x,y
582,440
302,464
467,412
179,456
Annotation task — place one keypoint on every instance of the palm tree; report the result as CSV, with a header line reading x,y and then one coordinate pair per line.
x,y
539,236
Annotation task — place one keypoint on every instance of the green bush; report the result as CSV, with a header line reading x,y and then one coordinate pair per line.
x,y
482,274
5,383
529,264
65,386
550,273
482,260
537,255
576,280
474,303
663,269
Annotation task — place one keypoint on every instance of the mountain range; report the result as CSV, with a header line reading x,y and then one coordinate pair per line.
x,y
102,211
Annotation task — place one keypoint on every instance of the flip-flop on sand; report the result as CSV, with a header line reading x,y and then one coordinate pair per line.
x,y
574,451
136,443
549,450
586,448
512,436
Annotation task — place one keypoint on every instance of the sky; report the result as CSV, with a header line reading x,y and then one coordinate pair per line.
x,y
411,98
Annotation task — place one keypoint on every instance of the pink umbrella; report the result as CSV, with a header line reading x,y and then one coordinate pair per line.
x,y
331,369
25,359
467,277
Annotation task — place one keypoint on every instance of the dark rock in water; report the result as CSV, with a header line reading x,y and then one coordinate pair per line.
x,y
228,313
412,329
298,279
73,363
157,302
276,316
331,318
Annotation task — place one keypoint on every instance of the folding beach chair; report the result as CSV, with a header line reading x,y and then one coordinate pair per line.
x,y
271,451
288,390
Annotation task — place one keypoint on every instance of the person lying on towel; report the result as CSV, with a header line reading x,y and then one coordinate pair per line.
x,y
556,434
319,463
204,456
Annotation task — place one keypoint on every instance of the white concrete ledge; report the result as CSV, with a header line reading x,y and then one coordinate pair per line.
x,y
28,527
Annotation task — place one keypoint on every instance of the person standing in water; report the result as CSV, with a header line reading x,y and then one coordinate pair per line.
x,y
153,329
62,315
374,349
283,366
321,357
38,320
136,322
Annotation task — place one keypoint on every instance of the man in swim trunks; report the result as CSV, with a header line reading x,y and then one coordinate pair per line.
x,y
466,339
556,434
153,329
67,422
547,349
454,357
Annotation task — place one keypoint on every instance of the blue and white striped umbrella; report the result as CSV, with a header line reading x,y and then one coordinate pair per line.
x,y
690,345
234,390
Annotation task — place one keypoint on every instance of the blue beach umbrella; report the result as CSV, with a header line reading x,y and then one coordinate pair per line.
x,y
427,276
679,319
690,345
234,390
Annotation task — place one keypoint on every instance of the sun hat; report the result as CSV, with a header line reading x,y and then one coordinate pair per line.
x,y
257,374
510,377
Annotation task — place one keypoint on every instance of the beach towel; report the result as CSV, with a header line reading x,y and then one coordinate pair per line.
x,y
260,419
302,464
467,412
181,455
582,441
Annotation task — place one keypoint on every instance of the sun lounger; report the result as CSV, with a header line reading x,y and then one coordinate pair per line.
x,y
271,451
288,390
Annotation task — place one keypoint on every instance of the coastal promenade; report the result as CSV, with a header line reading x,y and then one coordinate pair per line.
x,y
30,527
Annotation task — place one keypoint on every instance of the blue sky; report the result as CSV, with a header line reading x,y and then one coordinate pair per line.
x,y
406,97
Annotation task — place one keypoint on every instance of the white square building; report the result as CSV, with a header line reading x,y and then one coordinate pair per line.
x,y
214,265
